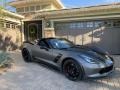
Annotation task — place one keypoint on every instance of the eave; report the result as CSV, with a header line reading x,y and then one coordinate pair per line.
x,y
24,2
11,14
92,12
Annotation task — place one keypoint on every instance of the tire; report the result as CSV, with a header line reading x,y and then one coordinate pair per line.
x,y
26,55
72,70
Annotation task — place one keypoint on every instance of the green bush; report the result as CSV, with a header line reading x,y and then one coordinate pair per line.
x,y
4,58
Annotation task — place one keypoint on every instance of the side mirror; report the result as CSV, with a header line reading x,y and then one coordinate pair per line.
x,y
45,48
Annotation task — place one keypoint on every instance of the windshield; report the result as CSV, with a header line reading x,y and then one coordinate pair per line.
x,y
61,43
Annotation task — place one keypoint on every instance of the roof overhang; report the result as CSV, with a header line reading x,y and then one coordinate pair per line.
x,y
102,11
23,2
8,13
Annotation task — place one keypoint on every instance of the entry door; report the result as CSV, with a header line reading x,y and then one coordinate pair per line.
x,y
33,30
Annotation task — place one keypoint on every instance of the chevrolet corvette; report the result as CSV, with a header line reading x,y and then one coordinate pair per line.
x,y
75,61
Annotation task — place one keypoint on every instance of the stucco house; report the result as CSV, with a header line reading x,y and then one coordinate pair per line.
x,y
10,30
94,25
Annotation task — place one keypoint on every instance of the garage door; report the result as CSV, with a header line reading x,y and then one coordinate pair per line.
x,y
77,32
90,33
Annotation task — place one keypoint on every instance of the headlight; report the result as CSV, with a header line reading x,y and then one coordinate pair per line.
x,y
107,57
88,59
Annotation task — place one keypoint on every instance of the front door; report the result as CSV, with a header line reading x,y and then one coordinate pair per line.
x,y
33,30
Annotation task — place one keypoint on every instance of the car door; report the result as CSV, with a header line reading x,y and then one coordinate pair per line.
x,y
42,51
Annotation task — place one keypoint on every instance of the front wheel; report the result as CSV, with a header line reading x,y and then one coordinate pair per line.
x,y
26,55
72,70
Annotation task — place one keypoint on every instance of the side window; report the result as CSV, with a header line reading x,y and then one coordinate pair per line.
x,y
42,43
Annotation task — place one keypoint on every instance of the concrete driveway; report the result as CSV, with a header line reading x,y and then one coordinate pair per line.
x,y
33,76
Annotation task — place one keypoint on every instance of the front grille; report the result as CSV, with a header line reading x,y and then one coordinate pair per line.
x,y
105,70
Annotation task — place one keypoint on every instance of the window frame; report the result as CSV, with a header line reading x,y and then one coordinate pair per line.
x,y
8,25
32,8
90,24
37,7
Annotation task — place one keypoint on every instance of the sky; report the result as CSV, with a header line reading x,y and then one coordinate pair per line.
x,y
84,3
78,3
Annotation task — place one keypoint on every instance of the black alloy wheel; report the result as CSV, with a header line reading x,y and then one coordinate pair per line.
x,y
26,55
72,70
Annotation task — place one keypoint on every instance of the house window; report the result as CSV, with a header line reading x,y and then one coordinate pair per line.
x,y
73,25
116,23
20,9
18,26
89,24
13,26
32,8
80,25
98,23
38,7
108,24
26,9
7,25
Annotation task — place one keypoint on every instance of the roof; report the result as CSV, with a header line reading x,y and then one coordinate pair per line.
x,y
106,6
12,14
22,2
92,10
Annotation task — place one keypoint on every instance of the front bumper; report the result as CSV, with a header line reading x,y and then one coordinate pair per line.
x,y
94,70
99,74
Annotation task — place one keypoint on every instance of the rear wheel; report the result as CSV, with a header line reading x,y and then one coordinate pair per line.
x,y
72,70
26,55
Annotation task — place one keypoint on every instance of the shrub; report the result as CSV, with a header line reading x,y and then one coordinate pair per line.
x,y
5,59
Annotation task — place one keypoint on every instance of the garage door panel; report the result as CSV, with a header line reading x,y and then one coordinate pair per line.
x,y
87,37
75,36
79,37
107,39
61,34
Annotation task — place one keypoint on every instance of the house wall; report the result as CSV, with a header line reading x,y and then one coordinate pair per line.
x,y
10,39
88,14
11,34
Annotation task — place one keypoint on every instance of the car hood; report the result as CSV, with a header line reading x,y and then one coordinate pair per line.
x,y
90,51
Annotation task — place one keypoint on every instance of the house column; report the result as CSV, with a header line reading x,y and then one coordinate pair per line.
x,y
49,29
